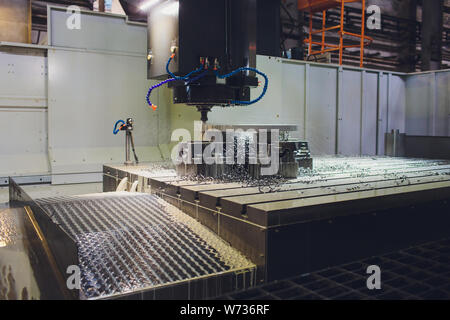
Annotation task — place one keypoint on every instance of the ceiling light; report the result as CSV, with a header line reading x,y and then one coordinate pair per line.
x,y
171,8
148,4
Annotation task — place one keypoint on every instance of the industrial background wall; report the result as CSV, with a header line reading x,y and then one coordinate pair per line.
x,y
51,109
23,111
339,110
428,101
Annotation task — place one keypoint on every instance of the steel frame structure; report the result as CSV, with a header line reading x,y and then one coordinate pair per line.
x,y
314,6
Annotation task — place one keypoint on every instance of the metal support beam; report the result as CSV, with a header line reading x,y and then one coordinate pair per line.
x,y
432,34
407,50
101,5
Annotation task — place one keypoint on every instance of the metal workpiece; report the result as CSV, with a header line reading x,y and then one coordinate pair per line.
x,y
244,154
137,244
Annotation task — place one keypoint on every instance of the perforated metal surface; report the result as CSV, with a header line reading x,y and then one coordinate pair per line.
x,y
129,242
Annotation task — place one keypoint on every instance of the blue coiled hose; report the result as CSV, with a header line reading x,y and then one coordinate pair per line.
x,y
266,83
115,130
186,78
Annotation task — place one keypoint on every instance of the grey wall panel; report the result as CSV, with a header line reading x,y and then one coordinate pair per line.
x,y
419,94
88,93
321,110
428,104
23,78
97,75
382,111
293,104
23,111
349,121
104,32
396,103
443,104
369,114
24,142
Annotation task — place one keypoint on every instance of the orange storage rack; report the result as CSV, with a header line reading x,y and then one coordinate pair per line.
x,y
314,6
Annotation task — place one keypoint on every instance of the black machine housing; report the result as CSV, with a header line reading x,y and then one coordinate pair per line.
x,y
223,33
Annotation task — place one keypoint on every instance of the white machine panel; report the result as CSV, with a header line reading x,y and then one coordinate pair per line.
x,y
88,93
100,32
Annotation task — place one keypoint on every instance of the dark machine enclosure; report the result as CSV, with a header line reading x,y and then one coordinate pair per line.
x,y
227,31
222,29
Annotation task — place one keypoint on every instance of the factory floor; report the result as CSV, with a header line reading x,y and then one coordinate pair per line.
x,y
418,272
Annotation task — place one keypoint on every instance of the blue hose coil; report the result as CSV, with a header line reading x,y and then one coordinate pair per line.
x,y
189,81
266,84
115,130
